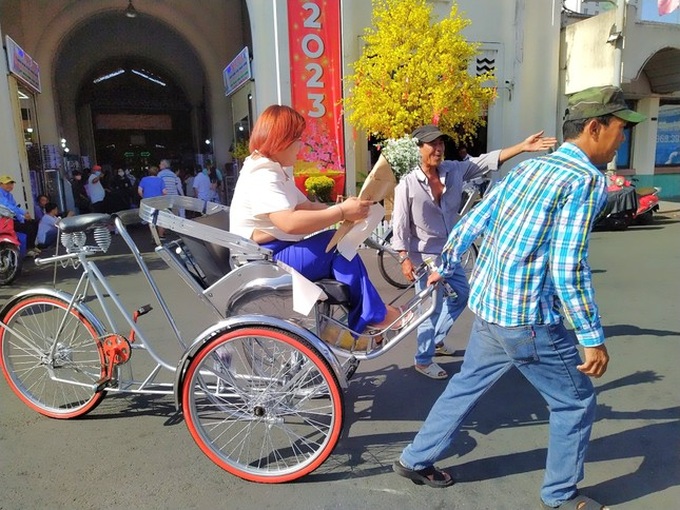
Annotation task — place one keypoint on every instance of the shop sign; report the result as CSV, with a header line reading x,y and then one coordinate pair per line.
x,y
316,81
237,72
22,65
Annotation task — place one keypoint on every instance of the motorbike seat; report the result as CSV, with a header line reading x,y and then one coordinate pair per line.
x,y
643,192
84,222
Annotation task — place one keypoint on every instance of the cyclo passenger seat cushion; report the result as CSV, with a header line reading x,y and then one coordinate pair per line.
x,y
212,259
338,293
84,222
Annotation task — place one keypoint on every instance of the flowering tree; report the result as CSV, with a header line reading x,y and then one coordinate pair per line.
x,y
413,71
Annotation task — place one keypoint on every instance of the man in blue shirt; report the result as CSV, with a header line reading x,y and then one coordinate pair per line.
x,y
22,219
533,265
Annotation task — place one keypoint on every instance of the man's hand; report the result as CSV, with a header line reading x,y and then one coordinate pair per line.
x,y
407,269
537,142
433,278
27,215
596,361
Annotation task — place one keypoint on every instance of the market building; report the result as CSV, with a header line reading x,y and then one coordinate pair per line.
x,y
125,83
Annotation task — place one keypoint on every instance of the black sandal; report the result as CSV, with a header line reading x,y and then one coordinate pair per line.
x,y
430,476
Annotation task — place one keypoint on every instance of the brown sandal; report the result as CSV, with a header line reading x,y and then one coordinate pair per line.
x,y
430,476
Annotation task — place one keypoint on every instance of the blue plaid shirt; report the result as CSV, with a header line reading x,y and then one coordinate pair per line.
x,y
533,259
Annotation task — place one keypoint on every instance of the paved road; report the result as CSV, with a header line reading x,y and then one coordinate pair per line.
x,y
135,452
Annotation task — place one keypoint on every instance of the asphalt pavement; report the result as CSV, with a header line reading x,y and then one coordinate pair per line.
x,y
135,452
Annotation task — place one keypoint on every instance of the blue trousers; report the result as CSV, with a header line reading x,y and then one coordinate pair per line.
x,y
547,357
433,330
310,259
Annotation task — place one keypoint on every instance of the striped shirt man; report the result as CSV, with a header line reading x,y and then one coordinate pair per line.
x,y
533,259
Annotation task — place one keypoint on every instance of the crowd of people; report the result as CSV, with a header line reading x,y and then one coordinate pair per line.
x,y
104,190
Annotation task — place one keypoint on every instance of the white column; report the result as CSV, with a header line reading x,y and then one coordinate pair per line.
x,y
271,61
644,141
9,141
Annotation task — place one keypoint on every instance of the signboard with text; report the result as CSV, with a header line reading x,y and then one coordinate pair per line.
x,y
237,73
22,65
316,84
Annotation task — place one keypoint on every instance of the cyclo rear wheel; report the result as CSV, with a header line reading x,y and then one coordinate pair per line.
x,y
263,404
53,378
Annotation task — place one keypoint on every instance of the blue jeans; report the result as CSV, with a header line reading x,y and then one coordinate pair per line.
x,y
547,357
309,258
433,330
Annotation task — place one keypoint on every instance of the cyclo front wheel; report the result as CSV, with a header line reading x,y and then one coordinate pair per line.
x,y
51,356
263,404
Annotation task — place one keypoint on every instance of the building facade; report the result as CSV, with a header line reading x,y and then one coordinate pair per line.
x,y
129,90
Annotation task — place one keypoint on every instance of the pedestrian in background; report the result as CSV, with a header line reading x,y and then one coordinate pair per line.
x,y
151,186
95,189
23,222
80,195
532,264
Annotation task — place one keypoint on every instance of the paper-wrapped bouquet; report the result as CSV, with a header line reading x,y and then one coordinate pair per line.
x,y
397,158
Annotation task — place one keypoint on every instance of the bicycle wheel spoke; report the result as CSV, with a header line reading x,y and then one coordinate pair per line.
x,y
261,420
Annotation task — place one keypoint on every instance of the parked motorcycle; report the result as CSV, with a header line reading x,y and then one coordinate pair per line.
x,y
11,249
648,199
627,205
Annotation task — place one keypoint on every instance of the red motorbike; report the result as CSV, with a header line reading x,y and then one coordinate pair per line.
x,y
648,198
627,205
11,248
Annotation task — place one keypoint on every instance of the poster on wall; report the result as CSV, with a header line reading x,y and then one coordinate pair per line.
x,y
668,136
316,89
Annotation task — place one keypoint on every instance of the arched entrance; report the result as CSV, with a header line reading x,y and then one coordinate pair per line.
x,y
138,115
130,92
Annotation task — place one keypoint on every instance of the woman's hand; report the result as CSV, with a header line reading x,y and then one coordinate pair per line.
x,y
354,209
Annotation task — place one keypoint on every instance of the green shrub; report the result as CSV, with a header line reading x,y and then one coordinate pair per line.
x,y
320,187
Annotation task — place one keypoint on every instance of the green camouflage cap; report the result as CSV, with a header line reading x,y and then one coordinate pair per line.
x,y
599,101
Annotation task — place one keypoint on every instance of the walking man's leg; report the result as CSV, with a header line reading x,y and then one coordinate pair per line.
x,y
570,396
485,361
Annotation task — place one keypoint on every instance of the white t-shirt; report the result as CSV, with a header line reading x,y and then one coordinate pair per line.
x,y
95,189
263,187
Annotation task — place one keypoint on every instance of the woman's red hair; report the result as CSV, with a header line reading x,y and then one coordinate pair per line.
x,y
276,129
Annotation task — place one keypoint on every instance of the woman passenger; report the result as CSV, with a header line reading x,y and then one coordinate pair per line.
x,y
268,208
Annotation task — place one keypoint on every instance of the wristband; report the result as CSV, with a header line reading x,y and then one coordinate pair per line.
x,y
403,259
342,212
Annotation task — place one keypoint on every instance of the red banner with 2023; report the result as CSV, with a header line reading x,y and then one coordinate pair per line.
x,y
316,88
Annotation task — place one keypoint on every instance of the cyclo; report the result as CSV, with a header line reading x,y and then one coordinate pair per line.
x,y
261,393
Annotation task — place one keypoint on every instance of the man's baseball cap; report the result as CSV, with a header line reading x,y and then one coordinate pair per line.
x,y
96,168
6,179
427,133
599,101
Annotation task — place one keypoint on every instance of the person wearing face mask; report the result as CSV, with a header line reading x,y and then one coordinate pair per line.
x,y
269,209
80,196
426,205
121,191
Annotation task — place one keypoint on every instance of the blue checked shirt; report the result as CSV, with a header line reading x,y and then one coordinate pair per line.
x,y
533,259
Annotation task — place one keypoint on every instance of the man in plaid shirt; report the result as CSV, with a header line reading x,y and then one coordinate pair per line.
x,y
532,268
